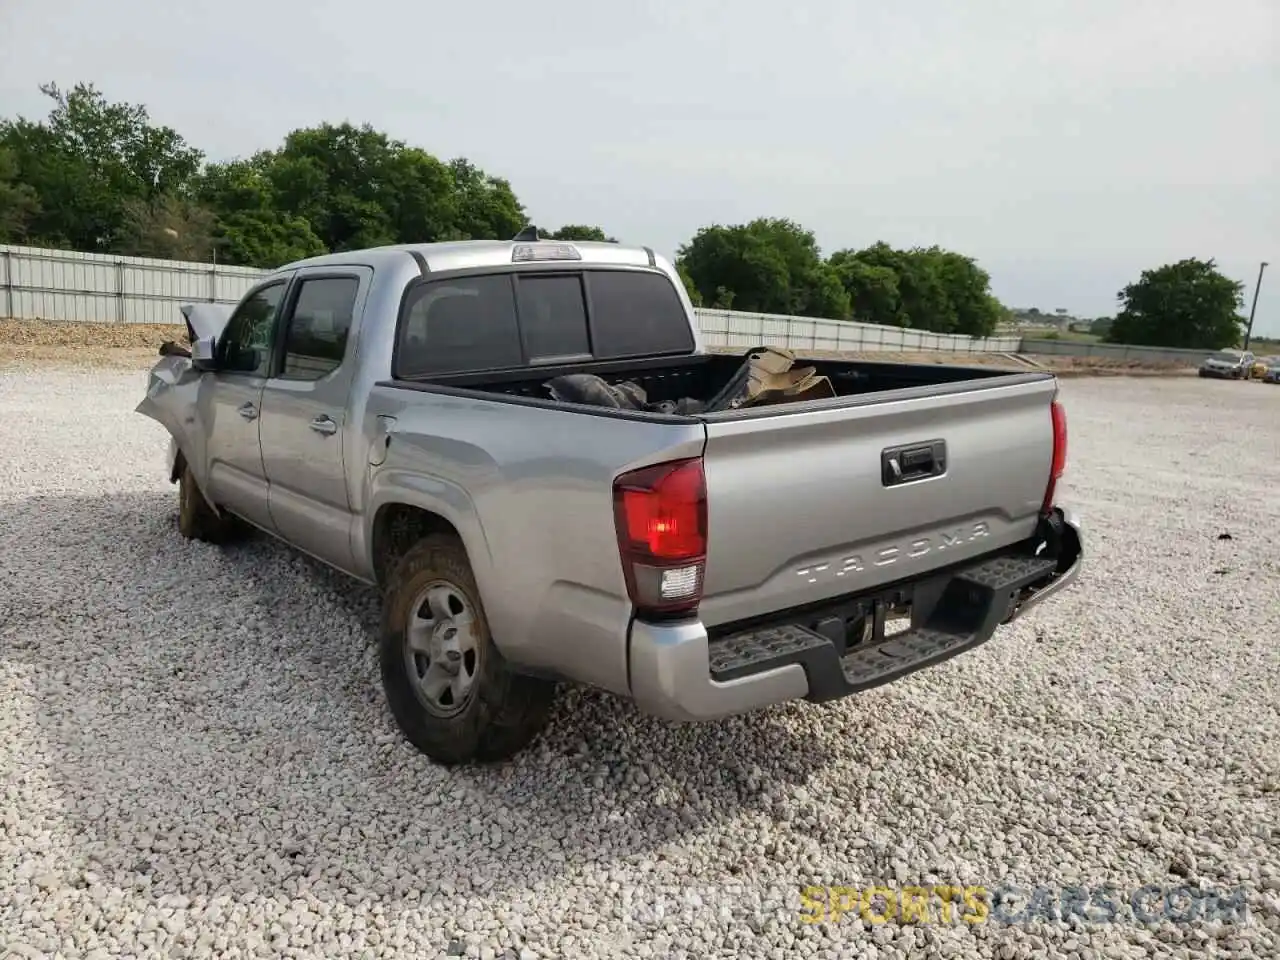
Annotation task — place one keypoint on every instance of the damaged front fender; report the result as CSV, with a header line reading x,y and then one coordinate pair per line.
x,y
173,401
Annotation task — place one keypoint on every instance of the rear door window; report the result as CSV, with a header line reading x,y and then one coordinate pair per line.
x,y
316,340
459,325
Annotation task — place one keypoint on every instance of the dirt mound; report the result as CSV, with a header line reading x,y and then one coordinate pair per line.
x,y
85,344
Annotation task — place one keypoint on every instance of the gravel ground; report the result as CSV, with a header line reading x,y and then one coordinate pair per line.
x,y
195,757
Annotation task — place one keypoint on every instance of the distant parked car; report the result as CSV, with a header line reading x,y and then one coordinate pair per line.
x,y
1272,373
1231,364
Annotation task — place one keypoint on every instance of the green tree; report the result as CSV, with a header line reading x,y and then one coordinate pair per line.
x,y
419,197
926,288
267,239
730,265
920,300
1186,304
252,230
339,179
356,187
484,207
577,231
18,201
971,308
89,161
694,296
872,288
236,186
770,265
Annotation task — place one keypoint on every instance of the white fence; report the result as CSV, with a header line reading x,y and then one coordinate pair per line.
x,y
37,284
40,284
62,285
729,328
1114,351
56,284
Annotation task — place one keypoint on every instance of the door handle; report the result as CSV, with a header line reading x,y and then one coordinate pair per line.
x,y
324,424
248,411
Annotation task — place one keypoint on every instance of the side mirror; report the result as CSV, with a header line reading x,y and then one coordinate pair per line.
x,y
203,354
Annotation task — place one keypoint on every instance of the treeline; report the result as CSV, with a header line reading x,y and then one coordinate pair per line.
x,y
100,176
775,266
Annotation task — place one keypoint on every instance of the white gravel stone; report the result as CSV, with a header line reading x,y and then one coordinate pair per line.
x,y
196,761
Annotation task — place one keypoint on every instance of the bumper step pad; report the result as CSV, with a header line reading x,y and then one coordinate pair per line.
x,y
974,601
746,653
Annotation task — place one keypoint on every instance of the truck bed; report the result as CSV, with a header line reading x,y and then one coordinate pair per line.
x,y
800,505
701,377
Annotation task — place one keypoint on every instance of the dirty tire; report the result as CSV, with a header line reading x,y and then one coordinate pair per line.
x,y
503,712
196,519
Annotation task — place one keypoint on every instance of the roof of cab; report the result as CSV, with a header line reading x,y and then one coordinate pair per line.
x,y
470,254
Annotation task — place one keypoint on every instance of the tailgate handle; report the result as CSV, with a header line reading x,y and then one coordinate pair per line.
x,y
913,461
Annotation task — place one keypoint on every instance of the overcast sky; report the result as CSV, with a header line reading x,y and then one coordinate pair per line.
x,y
1067,144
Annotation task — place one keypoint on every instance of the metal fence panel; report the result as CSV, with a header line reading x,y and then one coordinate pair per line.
x,y
1114,351
90,287
66,285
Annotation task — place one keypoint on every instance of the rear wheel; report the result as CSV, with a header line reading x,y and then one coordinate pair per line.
x,y
449,689
196,519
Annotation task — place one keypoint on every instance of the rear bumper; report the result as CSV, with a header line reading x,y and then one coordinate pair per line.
x,y
1061,579
680,673
671,676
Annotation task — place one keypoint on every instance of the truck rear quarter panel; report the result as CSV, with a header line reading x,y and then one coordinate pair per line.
x,y
529,490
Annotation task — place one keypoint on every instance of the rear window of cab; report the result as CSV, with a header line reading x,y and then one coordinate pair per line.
x,y
504,320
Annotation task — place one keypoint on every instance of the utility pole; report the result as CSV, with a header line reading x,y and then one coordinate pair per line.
x,y
1258,286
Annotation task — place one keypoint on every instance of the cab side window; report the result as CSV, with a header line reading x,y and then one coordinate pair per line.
x,y
245,345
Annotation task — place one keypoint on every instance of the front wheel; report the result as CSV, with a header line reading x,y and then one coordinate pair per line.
x,y
196,519
447,685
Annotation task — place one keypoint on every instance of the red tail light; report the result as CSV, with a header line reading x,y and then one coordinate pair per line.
x,y
660,514
1059,416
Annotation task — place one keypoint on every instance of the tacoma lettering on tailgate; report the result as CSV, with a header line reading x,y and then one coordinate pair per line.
x,y
883,557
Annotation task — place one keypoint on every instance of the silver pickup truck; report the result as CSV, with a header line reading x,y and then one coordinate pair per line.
x,y
386,412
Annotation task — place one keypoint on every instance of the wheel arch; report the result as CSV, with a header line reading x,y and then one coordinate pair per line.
x,y
396,527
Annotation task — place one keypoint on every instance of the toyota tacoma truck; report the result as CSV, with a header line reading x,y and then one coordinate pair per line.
x,y
386,411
